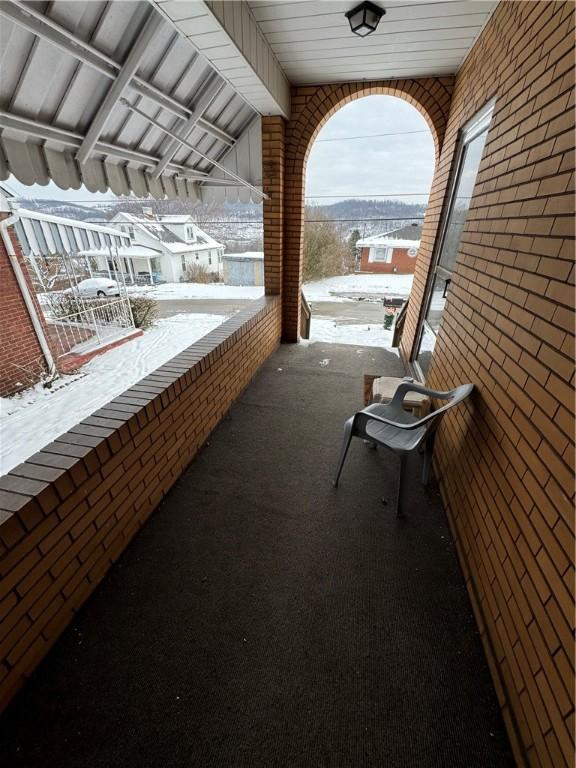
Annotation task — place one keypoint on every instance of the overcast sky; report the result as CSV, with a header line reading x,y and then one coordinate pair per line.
x,y
370,166
377,166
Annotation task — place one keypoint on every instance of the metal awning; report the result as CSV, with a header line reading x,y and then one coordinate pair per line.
x,y
69,72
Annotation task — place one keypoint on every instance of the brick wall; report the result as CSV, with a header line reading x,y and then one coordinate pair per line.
x,y
68,512
506,462
21,360
312,106
401,263
273,207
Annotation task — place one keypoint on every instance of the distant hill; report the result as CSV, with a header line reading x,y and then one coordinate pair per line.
x,y
365,209
66,209
369,217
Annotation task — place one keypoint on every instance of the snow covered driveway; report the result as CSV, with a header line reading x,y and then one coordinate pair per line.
x,y
321,290
333,288
33,419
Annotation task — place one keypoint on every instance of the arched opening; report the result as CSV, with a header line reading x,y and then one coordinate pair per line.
x,y
369,171
312,108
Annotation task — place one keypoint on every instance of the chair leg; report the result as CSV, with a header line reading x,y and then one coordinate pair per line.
x,y
345,445
403,486
427,463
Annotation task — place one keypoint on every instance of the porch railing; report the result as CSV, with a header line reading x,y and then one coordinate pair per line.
x,y
99,323
305,317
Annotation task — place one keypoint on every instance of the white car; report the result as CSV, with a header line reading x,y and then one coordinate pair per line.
x,y
96,286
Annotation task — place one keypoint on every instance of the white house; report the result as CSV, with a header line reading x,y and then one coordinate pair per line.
x,y
171,244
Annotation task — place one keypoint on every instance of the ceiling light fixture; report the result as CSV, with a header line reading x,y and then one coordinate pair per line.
x,y
364,18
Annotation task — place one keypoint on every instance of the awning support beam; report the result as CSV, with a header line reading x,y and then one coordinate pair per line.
x,y
45,28
208,95
73,140
185,143
120,84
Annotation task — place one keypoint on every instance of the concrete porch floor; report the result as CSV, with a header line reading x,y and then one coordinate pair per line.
x,y
262,618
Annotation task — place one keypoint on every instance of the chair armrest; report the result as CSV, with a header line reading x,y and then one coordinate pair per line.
x,y
368,415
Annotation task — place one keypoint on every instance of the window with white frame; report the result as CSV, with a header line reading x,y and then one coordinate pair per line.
x,y
381,254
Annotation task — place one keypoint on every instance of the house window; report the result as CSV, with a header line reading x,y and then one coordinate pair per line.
x,y
184,265
209,259
383,255
468,157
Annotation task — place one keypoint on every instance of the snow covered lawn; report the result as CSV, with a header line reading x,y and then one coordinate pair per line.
x,y
34,418
380,285
177,291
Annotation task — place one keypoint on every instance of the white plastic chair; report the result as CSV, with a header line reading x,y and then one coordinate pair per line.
x,y
394,428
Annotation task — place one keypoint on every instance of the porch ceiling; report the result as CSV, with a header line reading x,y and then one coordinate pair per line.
x,y
313,43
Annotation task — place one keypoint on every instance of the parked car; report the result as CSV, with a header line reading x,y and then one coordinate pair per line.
x,y
95,286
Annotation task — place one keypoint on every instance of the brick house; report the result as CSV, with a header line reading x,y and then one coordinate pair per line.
x,y
492,303
391,252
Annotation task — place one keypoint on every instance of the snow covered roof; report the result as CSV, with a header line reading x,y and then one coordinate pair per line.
x,y
248,256
404,237
157,227
182,219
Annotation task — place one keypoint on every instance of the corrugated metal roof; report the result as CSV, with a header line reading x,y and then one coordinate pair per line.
x,y
41,235
65,67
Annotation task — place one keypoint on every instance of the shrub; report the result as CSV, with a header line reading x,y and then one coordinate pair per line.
x,y
144,311
197,273
326,254
63,304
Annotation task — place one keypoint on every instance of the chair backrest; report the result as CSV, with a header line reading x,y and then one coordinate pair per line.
x,y
431,421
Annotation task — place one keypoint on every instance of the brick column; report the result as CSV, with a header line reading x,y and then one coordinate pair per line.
x,y
293,254
273,184
22,362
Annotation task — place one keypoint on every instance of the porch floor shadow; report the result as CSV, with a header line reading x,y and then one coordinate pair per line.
x,y
262,618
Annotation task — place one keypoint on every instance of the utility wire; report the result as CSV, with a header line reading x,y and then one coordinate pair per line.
x,y
356,197
370,136
114,201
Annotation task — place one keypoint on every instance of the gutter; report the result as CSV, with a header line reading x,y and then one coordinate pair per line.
x,y
22,284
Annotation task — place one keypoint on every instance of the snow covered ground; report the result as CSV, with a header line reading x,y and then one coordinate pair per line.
x,y
381,285
321,290
34,418
179,291
332,331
